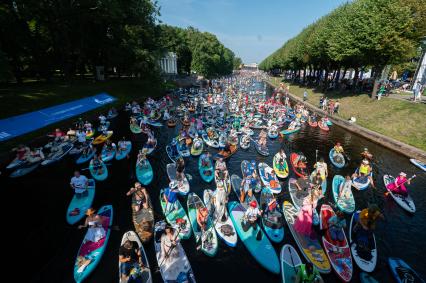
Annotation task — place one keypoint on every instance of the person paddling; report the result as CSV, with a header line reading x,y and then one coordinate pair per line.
x,y
95,231
251,217
140,197
169,242
129,257
366,224
365,170
170,197
398,187
79,184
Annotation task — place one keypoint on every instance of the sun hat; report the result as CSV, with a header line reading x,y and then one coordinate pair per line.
x,y
90,211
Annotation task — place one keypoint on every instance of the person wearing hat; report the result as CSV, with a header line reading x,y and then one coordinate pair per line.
x,y
366,154
79,184
140,197
170,196
252,214
398,187
304,220
365,170
95,231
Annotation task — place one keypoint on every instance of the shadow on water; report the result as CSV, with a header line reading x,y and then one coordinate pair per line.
x,y
47,246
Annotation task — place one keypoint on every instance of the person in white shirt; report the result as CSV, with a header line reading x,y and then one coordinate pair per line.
x,y
251,217
102,119
81,136
79,184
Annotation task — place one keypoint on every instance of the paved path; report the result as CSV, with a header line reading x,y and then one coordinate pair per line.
x,y
408,98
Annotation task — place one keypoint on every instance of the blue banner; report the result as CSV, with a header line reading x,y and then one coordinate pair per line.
x,y
25,123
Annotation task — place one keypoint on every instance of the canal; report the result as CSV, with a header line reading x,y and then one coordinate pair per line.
x,y
44,246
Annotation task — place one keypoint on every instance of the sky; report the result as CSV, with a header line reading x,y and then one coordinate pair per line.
x,y
252,29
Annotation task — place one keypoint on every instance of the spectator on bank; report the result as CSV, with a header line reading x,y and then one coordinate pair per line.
x,y
336,107
321,101
331,107
416,91
324,104
305,95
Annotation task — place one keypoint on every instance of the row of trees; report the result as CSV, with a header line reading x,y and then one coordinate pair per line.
x,y
40,38
356,35
197,51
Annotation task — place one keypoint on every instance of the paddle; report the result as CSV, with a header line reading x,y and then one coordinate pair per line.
x,y
292,261
166,256
412,177
95,167
112,227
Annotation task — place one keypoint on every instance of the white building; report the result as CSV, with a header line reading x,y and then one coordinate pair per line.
x,y
168,63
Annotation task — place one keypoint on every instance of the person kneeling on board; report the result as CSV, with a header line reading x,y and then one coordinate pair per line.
x,y
251,216
129,257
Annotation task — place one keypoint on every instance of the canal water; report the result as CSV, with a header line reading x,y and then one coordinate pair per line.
x,y
44,246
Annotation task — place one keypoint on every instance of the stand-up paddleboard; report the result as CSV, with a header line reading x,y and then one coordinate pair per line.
x,y
144,172
406,202
365,257
139,274
345,202
280,169
402,272
121,154
259,247
78,205
224,227
308,244
207,171
90,254
172,269
338,252
269,178
208,238
272,221
337,159
176,216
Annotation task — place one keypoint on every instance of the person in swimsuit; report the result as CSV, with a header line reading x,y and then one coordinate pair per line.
x,y
202,217
95,231
140,197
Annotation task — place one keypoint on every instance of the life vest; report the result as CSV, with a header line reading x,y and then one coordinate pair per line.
x,y
363,169
305,277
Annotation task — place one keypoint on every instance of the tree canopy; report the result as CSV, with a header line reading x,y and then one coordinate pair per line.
x,y
361,33
40,38
197,51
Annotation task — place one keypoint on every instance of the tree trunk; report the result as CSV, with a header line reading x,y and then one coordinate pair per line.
x,y
356,78
377,72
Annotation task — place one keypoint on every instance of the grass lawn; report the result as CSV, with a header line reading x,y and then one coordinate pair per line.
x,y
401,120
32,96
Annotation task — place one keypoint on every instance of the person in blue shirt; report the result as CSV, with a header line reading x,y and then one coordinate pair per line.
x,y
336,224
170,196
